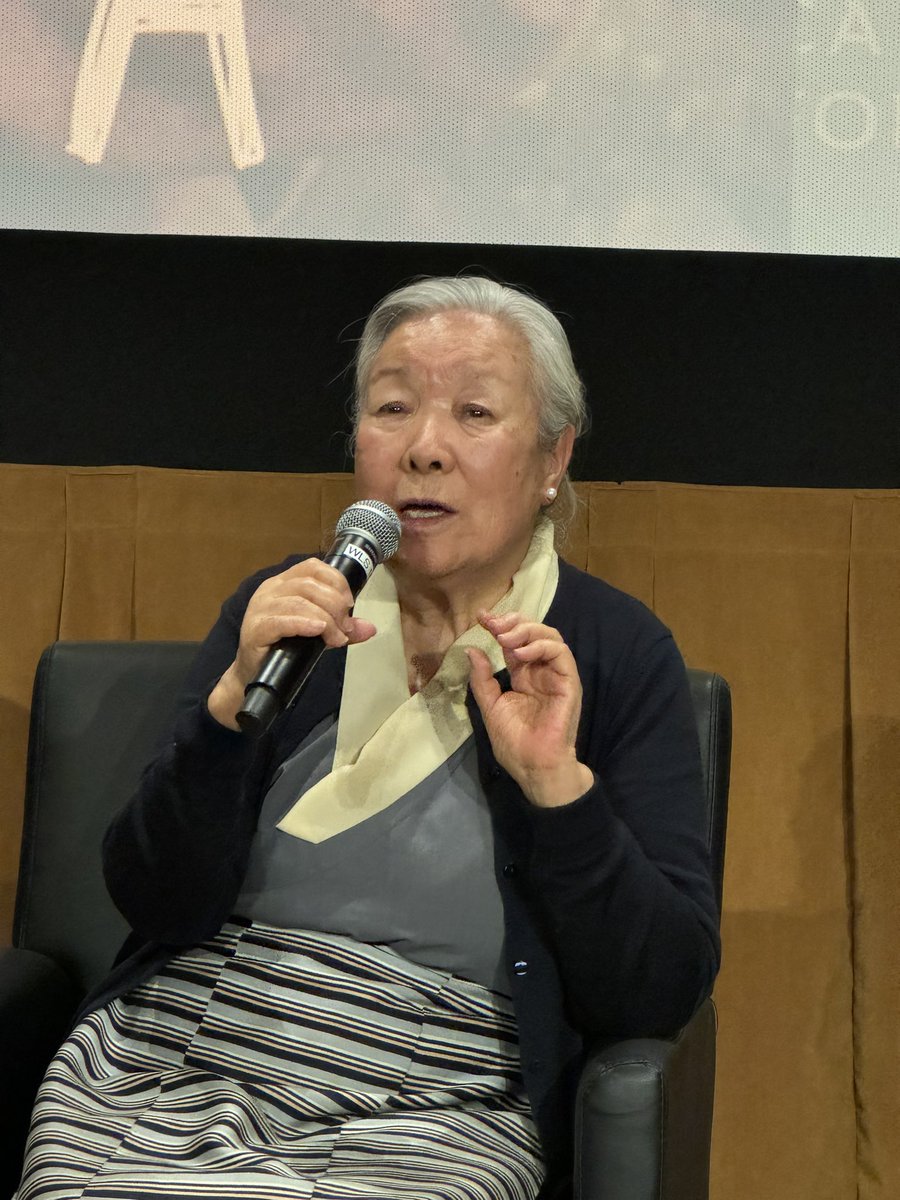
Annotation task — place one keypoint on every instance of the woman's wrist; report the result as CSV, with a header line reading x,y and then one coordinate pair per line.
x,y
558,786
225,699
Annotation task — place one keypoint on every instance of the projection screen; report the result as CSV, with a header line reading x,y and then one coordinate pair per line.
x,y
768,125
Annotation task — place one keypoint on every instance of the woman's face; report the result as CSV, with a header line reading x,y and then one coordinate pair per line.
x,y
448,436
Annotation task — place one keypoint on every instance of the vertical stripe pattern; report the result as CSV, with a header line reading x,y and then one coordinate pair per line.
x,y
274,1063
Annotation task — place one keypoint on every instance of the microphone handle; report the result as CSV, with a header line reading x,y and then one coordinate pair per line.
x,y
290,662
286,668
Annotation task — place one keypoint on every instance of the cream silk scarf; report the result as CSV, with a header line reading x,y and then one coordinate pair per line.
x,y
387,740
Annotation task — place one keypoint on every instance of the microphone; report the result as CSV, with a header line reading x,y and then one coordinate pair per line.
x,y
367,533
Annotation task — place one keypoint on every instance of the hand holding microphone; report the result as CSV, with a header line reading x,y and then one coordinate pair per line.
x,y
293,617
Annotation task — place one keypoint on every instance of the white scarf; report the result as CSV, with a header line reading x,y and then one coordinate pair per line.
x,y
387,740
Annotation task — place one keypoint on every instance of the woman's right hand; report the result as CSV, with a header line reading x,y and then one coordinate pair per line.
x,y
311,599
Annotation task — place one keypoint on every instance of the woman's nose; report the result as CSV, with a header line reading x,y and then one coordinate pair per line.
x,y
428,448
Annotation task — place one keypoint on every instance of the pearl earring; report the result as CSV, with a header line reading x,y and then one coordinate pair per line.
x,y
551,495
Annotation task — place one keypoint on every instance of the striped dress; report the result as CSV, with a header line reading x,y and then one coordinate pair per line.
x,y
347,1038
275,1063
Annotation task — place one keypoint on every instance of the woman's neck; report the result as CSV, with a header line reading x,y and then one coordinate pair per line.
x,y
431,620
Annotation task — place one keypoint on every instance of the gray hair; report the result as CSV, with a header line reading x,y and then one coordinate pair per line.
x,y
555,383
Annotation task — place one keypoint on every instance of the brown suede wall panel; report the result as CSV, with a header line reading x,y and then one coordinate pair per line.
x,y
755,584
199,533
32,565
98,586
874,798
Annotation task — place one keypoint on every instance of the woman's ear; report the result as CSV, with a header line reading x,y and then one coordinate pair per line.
x,y
559,457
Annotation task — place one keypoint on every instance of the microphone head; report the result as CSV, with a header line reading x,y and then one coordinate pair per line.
x,y
376,522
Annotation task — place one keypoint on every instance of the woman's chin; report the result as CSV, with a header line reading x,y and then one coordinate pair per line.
x,y
422,562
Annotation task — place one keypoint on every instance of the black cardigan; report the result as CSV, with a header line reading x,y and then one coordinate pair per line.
x,y
611,921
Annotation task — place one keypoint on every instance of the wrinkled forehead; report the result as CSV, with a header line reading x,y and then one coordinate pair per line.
x,y
454,345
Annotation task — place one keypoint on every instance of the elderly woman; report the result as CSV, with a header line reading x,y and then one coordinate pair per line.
x,y
367,948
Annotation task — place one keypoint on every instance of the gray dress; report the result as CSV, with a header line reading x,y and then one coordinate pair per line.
x,y
418,877
347,1036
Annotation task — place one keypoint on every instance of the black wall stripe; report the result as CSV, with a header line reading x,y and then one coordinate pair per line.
x,y
228,354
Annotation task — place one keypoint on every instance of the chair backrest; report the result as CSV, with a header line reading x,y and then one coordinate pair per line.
x,y
98,711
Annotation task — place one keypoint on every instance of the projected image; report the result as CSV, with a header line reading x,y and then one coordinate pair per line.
x,y
711,124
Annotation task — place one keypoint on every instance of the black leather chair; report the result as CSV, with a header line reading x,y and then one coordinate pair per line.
x,y
645,1106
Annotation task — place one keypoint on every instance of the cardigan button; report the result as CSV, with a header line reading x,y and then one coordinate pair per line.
x,y
494,772
520,967
510,869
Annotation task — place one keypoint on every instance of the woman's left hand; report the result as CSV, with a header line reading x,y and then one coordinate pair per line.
x,y
533,726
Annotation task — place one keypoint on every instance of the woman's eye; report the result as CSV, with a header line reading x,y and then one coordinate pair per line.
x,y
477,410
391,406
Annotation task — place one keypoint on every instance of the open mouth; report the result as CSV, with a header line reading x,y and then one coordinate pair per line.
x,y
423,510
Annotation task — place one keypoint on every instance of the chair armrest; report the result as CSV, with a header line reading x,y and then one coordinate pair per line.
x,y
37,1002
643,1120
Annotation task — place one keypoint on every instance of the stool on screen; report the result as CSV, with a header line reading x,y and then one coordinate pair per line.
x,y
115,25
